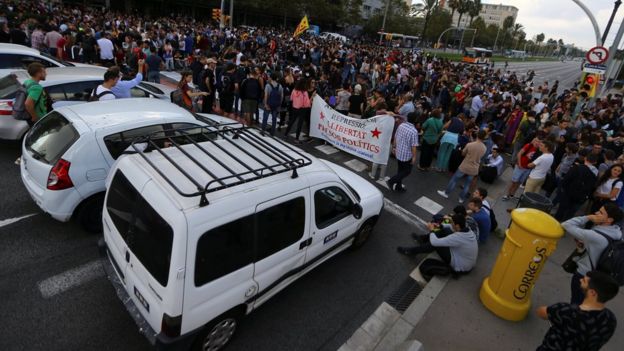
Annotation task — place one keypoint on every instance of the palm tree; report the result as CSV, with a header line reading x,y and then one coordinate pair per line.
x,y
426,7
454,5
475,9
515,30
464,6
507,24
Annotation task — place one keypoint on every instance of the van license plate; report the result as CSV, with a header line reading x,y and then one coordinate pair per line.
x,y
330,237
141,299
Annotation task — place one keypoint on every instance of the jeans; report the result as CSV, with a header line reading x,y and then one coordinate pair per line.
x,y
169,64
453,182
265,118
153,76
404,169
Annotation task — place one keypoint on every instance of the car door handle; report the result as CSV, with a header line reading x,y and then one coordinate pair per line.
x,y
250,291
305,243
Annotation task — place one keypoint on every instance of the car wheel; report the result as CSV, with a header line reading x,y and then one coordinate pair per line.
x,y
90,214
363,234
217,333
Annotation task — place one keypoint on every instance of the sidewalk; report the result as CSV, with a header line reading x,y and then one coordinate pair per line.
x,y
448,314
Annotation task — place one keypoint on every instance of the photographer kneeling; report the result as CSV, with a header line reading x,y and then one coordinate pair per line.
x,y
455,243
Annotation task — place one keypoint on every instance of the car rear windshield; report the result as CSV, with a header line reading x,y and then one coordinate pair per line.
x,y
152,89
8,87
147,234
51,137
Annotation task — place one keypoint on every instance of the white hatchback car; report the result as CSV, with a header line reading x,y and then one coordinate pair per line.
x,y
64,86
67,154
17,57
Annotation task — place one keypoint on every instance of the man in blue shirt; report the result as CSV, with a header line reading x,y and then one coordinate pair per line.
x,y
482,217
122,89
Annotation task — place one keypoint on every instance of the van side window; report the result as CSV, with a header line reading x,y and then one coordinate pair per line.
x,y
223,250
331,205
280,226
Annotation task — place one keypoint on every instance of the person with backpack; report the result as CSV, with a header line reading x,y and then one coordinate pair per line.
x,y
103,91
30,102
183,96
228,90
250,92
576,187
594,241
588,326
273,97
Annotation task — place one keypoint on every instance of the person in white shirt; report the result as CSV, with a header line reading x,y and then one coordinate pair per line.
x,y
106,49
476,106
103,91
494,159
539,168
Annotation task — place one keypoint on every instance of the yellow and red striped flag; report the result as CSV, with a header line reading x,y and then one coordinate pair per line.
x,y
302,27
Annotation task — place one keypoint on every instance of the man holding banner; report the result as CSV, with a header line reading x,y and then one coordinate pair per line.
x,y
405,144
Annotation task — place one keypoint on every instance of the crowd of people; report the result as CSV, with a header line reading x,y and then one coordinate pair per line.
x,y
449,117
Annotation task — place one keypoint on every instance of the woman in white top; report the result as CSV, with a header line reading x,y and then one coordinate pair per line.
x,y
609,186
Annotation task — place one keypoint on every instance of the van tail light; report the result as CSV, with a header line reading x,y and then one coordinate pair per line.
x,y
171,326
59,179
6,108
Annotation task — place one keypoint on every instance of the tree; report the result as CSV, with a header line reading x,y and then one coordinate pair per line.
x,y
353,10
515,31
464,6
427,7
440,21
475,9
507,24
454,5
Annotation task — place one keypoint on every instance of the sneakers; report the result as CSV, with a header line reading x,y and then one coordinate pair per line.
x,y
390,185
507,197
18,161
461,201
443,194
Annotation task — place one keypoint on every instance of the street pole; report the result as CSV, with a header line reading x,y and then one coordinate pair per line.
x,y
473,37
599,42
612,52
461,41
383,24
221,24
231,13
615,8
441,34
496,40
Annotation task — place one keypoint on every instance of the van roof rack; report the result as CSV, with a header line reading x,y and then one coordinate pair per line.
x,y
268,158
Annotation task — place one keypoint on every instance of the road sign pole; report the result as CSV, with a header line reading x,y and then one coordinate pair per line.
x,y
612,52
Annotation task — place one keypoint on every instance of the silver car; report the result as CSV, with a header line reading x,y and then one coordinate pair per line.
x,y
64,86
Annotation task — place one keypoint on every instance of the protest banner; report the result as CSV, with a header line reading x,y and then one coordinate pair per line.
x,y
365,138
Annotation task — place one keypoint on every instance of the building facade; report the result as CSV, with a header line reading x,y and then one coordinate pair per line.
x,y
371,8
491,14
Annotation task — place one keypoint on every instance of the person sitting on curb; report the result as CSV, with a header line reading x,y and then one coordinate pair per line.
x,y
482,217
587,326
593,241
455,243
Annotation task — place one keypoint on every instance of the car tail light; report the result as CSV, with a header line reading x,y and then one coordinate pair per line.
x,y
171,326
59,179
6,108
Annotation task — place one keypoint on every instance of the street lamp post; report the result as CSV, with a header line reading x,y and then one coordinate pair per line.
x,y
599,42
616,5
383,24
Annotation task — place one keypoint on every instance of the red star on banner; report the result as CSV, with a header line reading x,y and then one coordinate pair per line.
x,y
376,133
322,115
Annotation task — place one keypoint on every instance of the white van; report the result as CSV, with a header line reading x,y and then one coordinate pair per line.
x,y
199,236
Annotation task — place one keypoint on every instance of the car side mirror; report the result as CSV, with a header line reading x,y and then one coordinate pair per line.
x,y
356,210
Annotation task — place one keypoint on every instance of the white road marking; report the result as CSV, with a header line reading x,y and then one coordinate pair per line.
x,y
403,214
8,221
69,279
428,205
327,149
356,165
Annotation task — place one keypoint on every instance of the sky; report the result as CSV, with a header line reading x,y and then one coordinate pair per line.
x,y
564,19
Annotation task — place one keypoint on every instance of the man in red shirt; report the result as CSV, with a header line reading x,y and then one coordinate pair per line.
x,y
521,170
62,45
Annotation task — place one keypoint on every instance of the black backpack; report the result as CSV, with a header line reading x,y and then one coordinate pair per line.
x,y
96,97
19,104
611,260
493,221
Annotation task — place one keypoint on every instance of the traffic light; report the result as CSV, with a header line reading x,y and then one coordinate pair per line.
x,y
589,83
216,14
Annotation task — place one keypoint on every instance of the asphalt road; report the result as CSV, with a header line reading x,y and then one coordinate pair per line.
x,y
318,312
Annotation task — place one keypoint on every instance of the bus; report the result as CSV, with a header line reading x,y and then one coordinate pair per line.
x,y
515,53
477,56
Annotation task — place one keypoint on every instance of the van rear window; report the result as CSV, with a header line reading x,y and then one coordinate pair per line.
x,y
51,137
148,236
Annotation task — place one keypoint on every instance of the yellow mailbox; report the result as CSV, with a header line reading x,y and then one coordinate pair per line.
x,y
530,240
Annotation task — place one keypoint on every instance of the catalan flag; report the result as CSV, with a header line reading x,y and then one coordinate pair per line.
x,y
302,27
